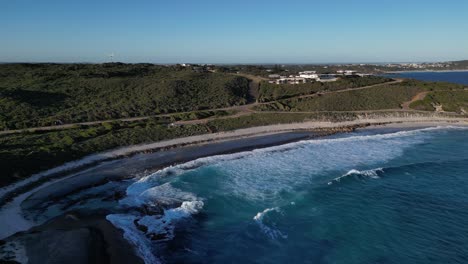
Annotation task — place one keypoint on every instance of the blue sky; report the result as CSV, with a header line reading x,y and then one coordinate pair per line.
x,y
239,31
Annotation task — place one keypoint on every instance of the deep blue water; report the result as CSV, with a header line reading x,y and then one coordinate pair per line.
x,y
366,197
454,77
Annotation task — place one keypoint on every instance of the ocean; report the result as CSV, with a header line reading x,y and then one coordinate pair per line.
x,y
460,77
372,196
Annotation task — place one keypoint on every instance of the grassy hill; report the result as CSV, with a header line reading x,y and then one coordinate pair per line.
x,y
450,101
463,64
376,98
46,94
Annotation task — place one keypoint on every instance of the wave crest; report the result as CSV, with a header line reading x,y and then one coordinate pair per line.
x,y
372,173
271,231
140,230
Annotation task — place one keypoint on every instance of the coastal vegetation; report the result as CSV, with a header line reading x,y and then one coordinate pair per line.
x,y
450,101
382,97
49,94
271,92
22,154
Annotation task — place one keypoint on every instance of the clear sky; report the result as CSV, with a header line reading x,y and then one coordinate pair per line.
x,y
234,31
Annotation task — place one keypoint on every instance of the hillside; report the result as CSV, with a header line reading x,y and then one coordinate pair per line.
x,y
463,64
378,98
450,101
47,94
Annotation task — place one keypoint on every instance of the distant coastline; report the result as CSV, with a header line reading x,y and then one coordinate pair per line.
x,y
417,71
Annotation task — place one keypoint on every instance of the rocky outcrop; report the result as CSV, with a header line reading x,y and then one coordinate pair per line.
x,y
76,238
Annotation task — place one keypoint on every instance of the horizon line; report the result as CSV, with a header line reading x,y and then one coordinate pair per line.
x,y
229,63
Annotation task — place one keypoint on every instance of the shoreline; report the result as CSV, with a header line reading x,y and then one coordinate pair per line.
x,y
94,160
423,71
149,160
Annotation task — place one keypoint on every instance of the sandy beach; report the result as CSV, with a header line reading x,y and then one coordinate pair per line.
x,y
98,158
136,161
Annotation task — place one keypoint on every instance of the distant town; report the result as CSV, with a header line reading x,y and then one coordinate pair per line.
x,y
312,76
306,73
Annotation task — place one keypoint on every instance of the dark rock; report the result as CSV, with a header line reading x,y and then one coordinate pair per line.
x,y
9,262
156,237
140,227
119,195
58,246
89,238
151,210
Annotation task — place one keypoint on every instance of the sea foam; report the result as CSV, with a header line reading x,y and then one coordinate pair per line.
x,y
372,173
269,230
160,226
140,229
144,193
134,236
274,163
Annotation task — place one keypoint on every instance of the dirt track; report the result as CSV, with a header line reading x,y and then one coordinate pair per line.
x,y
419,96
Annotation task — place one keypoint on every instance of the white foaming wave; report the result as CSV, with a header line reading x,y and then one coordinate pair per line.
x,y
271,232
373,173
325,155
263,177
157,225
134,236
161,194
152,180
165,224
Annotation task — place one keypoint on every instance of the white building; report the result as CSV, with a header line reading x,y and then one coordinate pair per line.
x,y
309,75
349,73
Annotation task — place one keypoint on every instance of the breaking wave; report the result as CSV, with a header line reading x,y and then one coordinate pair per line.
x,y
141,230
139,194
269,229
157,211
373,173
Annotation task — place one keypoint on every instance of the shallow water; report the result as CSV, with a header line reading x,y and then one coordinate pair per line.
x,y
366,197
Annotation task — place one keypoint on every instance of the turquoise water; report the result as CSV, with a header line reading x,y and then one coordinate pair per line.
x,y
366,197
454,77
